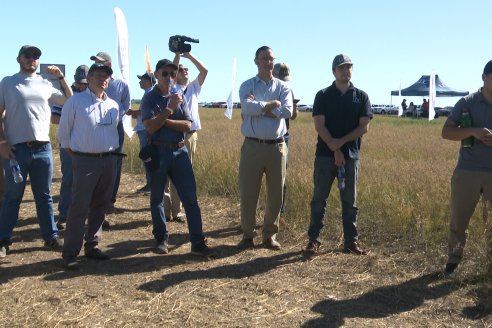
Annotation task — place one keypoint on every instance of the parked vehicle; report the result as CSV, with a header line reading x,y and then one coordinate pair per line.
x,y
384,109
443,111
305,108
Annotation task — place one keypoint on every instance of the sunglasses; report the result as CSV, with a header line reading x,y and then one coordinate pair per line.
x,y
183,69
29,56
166,74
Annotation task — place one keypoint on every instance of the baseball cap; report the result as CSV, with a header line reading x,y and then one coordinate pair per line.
x,y
98,66
340,59
81,74
146,76
165,62
29,49
488,68
281,71
102,56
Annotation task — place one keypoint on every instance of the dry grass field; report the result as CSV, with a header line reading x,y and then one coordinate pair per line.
x,y
404,209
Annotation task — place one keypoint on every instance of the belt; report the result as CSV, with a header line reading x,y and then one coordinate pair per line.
x,y
269,142
109,153
34,143
168,145
191,132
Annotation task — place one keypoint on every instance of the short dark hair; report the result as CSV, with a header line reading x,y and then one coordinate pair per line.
x,y
260,49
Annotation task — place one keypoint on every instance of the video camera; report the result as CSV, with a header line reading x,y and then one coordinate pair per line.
x,y
177,43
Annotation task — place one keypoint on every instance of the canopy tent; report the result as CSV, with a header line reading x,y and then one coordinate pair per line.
x,y
421,88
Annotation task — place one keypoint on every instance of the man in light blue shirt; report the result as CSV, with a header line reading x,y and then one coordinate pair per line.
x,y
265,104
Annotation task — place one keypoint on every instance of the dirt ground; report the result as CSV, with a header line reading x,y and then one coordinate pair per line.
x,y
390,287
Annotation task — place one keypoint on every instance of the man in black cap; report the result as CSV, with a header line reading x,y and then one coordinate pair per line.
x,y
119,91
147,81
473,173
88,132
341,114
167,121
24,137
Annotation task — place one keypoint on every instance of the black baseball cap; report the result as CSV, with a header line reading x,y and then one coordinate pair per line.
x,y
146,76
163,63
28,49
98,66
488,68
339,60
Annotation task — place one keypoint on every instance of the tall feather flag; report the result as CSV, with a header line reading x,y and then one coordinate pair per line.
x,y
230,103
147,60
432,95
123,60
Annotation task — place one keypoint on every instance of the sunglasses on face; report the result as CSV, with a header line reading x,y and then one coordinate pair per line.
x,y
183,69
29,56
166,74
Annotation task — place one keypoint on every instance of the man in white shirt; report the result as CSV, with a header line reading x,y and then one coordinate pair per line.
x,y
88,131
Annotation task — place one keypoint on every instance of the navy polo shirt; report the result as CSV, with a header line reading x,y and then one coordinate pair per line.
x,y
342,114
153,103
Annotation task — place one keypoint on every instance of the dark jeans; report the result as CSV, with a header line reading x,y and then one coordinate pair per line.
x,y
325,172
177,165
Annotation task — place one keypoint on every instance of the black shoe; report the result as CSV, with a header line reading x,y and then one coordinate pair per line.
x,y
3,251
55,244
96,254
449,270
202,250
70,263
161,247
312,248
145,188
354,248
246,243
61,223
179,219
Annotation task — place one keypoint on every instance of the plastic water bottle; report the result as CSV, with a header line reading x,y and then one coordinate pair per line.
x,y
341,177
466,122
16,172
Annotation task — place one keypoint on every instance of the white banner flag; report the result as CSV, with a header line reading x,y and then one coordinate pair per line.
x,y
123,60
432,95
230,103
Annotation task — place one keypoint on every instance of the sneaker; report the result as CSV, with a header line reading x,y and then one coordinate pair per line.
x,y
312,247
202,250
96,254
55,244
3,251
161,247
70,263
449,270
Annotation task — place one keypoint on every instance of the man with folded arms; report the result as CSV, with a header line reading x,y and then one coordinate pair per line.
x,y
88,131
167,121
265,104
24,136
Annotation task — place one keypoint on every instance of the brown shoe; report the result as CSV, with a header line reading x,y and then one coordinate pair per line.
x,y
271,243
354,248
312,247
246,243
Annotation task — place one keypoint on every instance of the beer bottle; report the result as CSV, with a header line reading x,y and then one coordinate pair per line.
x,y
466,122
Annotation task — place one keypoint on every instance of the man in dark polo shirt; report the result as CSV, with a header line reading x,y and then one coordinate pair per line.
x,y
341,114
167,120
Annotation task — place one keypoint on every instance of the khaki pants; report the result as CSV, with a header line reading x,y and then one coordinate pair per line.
x,y
258,159
465,194
172,203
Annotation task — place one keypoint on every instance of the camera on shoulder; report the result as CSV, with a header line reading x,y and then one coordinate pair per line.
x,y
177,43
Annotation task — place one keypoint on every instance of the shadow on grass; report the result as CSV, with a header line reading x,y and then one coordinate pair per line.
x,y
381,302
230,271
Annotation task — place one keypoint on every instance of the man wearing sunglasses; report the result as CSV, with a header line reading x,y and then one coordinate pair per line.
x,y
88,132
24,136
190,92
167,120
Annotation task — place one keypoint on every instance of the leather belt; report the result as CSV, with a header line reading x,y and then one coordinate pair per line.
x,y
34,143
168,145
269,142
94,154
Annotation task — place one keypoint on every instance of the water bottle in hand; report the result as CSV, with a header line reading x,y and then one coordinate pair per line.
x,y
341,177
16,172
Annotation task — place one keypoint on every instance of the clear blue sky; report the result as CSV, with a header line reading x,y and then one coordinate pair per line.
x,y
390,42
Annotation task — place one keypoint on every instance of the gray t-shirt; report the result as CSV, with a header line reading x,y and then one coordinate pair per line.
x,y
27,112
479,156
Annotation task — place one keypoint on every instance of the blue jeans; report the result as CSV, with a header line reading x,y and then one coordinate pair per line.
x,y
143,139
325,172
66,184
177,165
38,163
119,160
